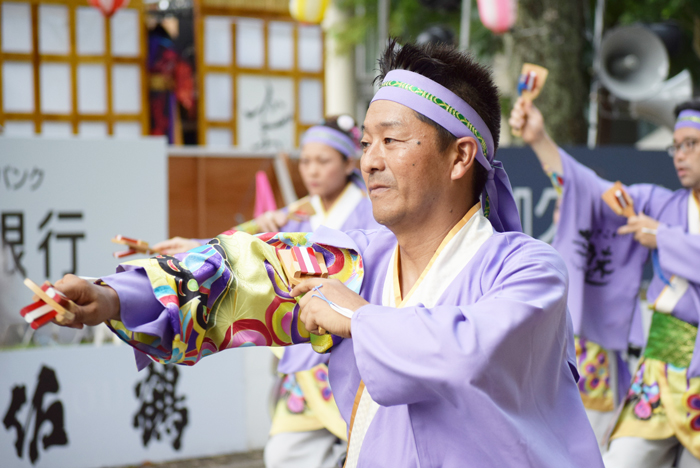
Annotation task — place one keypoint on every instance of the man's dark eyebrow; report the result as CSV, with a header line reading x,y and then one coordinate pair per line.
x,y
388,123
391,123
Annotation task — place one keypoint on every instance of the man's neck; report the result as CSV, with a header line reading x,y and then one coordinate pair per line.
x,y
418,245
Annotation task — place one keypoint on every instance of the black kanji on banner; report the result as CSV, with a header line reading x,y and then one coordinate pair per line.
x,y
12,233
48,233
37,416
595,247
161,409
12,227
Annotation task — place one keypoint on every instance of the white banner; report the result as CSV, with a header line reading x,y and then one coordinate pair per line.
x,y
265,113
61,201
88,407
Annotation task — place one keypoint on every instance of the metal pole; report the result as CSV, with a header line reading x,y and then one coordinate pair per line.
x,y
595,84
285,179
383,24
465,24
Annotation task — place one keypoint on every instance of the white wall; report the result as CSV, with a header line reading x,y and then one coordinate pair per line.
x,y
225,396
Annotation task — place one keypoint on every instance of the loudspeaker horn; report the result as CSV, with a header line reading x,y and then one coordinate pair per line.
x,y
659,109
633,62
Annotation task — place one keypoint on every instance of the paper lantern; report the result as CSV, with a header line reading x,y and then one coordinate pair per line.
x,y
498,15
308,11
108,7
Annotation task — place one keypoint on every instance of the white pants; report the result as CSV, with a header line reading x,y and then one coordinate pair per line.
x,y
635,452
600,422
311,449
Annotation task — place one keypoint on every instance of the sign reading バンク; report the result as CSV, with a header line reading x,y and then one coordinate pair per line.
x,y
61,201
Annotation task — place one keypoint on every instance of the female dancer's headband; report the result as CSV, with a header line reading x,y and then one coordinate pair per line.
x,y
331,137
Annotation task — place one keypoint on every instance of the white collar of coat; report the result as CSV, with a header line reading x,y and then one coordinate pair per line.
x,y
455,251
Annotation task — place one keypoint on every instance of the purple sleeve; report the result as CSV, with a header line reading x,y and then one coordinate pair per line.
x,y
515,334
679,252
139,309
583,190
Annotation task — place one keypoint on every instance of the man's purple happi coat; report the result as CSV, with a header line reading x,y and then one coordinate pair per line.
x,y
484,379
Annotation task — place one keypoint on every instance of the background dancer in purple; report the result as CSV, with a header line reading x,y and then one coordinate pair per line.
x,y
600,354
660,420
457,351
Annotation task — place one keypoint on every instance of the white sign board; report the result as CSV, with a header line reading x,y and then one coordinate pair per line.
x,y
87,407
265,113
61,201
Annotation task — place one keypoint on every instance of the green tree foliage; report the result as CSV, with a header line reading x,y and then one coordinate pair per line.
x,y
553,33
407,19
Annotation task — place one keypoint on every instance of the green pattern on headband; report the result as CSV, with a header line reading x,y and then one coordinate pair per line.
x,y
691,118
436,100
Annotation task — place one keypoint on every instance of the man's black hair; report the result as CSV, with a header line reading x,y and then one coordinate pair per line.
x,y
458,72
693,104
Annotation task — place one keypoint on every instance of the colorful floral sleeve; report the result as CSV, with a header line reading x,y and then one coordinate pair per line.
x,y
233,292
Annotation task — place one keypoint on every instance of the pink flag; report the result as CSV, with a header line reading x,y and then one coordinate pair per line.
x,y
264,197
498,15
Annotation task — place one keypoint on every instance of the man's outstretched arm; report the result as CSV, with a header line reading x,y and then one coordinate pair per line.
x,y
232,292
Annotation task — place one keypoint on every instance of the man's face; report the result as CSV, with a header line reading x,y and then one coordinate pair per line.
x,y
687,157
401,164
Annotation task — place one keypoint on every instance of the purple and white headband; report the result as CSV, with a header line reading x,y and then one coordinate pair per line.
x,y
688,118
448,110
331,137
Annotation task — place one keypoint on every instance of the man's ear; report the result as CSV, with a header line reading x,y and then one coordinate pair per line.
x,y
465,150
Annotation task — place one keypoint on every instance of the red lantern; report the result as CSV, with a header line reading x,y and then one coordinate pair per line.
x,y
498,15
108,7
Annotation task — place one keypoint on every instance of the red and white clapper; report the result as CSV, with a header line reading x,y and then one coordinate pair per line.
x,y
527,82
51,304
301,263
135,246
530,83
